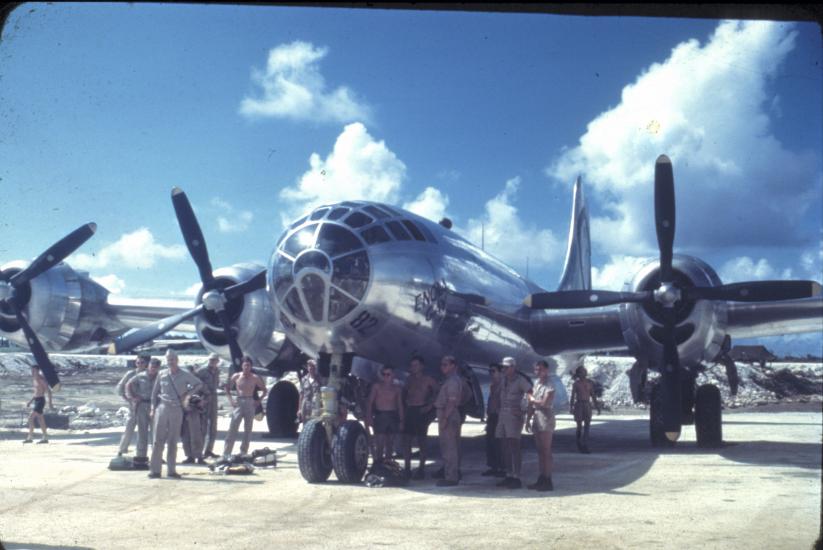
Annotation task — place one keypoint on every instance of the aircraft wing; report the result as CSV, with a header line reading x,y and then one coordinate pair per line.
x,y
751,320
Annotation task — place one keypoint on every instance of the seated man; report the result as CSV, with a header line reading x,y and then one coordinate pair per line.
x,y
384,411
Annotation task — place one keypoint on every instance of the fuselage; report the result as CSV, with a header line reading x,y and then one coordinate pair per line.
x,y
386,284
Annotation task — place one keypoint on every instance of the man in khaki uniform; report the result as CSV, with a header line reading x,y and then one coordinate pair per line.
x,y
448,419
140,365
246,382
210,375
167,413
138,391
513,388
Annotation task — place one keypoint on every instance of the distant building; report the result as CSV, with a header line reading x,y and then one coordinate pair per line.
x,y
752,354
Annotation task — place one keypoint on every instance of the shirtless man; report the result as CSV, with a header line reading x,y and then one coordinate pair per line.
x,y
580,404
418,395
41,388
246,383
384,411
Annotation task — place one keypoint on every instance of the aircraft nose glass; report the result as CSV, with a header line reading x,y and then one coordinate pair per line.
x,y
320,273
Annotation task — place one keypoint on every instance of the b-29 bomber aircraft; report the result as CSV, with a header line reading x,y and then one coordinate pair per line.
x,y
357,280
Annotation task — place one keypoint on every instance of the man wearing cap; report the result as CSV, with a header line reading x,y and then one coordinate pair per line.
x,y
448,421
513,388
140,365
138,391
246,383
210,376
167,413
494,452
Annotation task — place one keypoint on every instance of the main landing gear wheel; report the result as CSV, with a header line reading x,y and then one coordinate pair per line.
x,y
313,452
657,432
708,421
281,409
350,452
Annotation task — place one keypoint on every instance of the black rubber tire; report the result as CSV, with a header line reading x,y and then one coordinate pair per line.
x,y
281,409
657,432
708,417
313,452
350,452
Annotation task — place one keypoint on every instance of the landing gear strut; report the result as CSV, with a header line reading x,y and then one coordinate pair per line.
x,y
329,441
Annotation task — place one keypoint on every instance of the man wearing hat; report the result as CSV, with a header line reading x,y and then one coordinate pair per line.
x,y
513,388
167,413
210,376
140,365
448,421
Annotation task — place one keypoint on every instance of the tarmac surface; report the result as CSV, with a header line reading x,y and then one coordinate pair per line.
x,y
762,489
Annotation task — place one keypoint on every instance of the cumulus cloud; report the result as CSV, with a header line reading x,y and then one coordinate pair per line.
x,y
358,168
231,220
707,107
112,283
619,270
192,290
292,87
137,249
431,203
744,268
505,236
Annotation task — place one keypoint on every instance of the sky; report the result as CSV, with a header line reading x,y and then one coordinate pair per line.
x,y
259,113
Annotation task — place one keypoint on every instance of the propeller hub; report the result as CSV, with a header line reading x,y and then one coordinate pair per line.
x,y
214,300
667,295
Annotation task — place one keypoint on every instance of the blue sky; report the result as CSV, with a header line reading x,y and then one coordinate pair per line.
x,y
259,113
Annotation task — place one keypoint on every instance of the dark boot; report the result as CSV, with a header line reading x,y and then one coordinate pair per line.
x,y
547,484
539,483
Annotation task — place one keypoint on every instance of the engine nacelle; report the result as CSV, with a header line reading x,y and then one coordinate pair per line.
x,y
65,308
252,316
701,326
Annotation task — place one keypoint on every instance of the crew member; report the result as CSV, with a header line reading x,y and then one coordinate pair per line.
x,y
41,388
246,383
580,403
513,388
540,407
384,411
448,421
309,390
194,411
167,413
419,392
140,365
494,452
138,392
210,375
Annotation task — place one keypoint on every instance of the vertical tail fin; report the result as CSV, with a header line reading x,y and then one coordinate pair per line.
x,y
577,271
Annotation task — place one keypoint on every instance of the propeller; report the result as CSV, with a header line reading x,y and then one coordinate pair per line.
x,y
214,299
13,290
668,294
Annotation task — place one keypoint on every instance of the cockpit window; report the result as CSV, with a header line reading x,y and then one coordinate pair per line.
x,y
358,219
313,290
376,212
425,230
335,240
298,222
339,305
337,213
414,231
375,234
319,213
300,240
390,210
397,230
296,308
351,273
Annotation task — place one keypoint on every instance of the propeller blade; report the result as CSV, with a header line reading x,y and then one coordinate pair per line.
x,y
55,254
192,235
133,339
574,299
670,378
234,347
664,214
756,291
40,355
240,289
